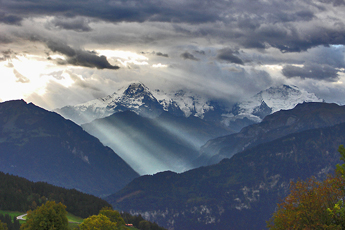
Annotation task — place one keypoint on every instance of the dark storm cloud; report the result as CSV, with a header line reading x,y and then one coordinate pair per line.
x,y
248,23
192,11
312,71
79,57
7,55
61,48
290,38
88,59
227,55
77,24
188,56
10,19
161,54
334,2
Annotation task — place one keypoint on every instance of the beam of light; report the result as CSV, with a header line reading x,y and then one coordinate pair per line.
x,y
181,133
138,150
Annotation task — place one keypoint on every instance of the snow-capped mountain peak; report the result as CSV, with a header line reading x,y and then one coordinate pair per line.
x,y
271,100
184,103
141,100
136,97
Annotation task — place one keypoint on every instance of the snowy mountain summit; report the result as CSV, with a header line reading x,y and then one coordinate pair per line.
x,y
268,101
136,97
141,100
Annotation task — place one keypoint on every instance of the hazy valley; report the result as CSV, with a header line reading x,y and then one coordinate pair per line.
x,y
243,175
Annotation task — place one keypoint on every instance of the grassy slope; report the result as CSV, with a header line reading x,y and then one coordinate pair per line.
x,y
71,218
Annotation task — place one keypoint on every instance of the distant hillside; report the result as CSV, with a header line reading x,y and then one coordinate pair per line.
x,y
237,193
42,146
157,144
303,117
20,194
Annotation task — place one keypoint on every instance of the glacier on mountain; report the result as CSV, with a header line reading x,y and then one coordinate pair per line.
x,y
268,101
141,100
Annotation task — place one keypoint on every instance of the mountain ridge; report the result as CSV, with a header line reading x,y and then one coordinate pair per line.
x,y
237,193
304,116
43,146
151,103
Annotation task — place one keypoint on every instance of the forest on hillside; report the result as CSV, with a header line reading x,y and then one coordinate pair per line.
x,y
20,194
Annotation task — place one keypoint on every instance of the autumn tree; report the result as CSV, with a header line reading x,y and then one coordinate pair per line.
x,y
96,222
49,216
113,215
3,226
313,204
106,219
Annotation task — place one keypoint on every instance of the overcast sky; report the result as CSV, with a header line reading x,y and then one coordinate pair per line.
x,y
58,52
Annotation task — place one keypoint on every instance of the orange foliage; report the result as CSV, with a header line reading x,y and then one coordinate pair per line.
x,y
310,205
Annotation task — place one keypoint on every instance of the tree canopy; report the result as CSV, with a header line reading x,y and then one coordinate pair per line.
x,y
3,226
96,222
106,219
313,204
113,216
49,216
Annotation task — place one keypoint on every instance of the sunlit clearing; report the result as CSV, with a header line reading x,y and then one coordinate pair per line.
x,y
341,77
29,74
273,67
159,65
124,57
21,77
337,46
57,56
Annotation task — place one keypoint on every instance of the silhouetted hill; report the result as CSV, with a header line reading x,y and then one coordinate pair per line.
x,y
42,146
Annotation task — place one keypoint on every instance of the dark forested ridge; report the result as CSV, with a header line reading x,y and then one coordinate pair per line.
x,y
237,193
20,194
43,146
304,116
